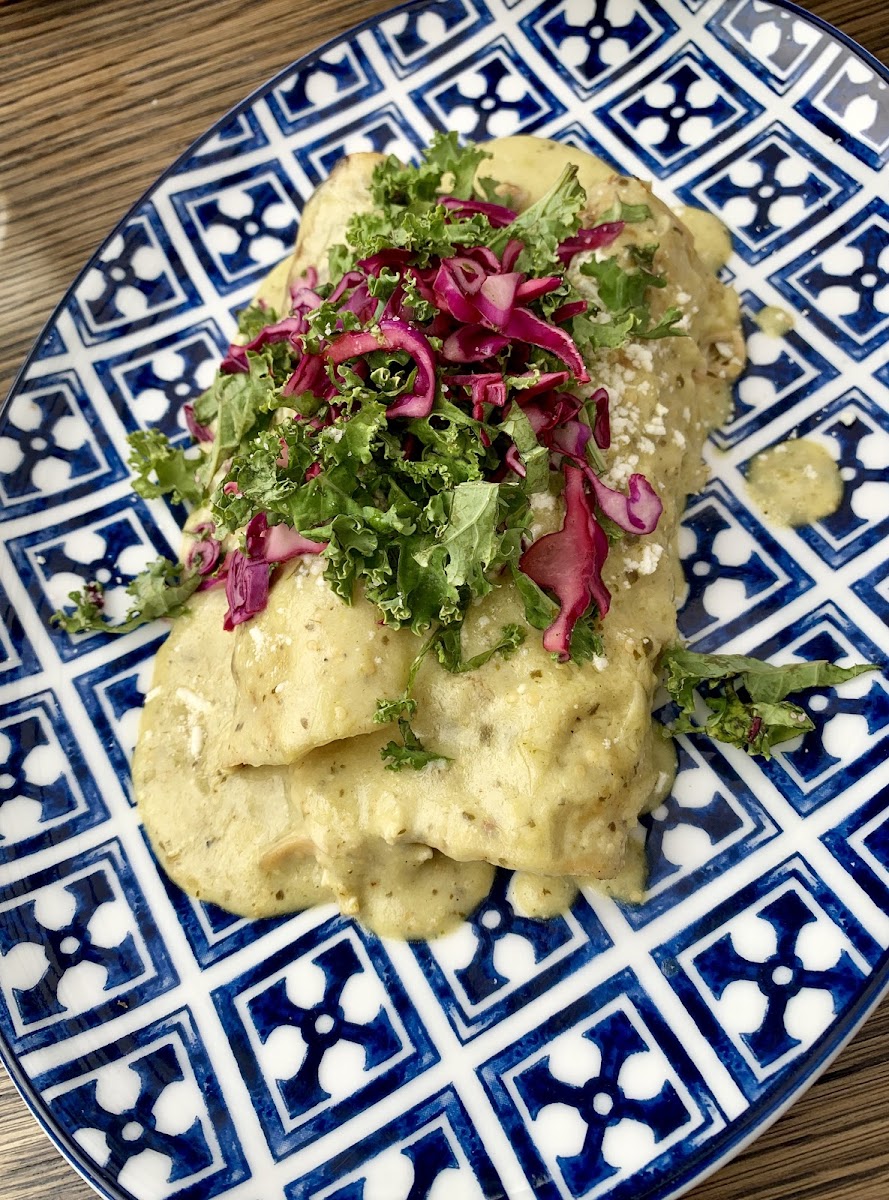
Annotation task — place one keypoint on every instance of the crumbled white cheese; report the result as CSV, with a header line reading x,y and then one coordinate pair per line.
x,y
192,701
196,740
649,558
640,356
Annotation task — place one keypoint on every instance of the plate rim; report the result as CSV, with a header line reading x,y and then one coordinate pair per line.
x,y
738,1133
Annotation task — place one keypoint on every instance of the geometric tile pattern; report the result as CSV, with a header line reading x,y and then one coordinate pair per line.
x,y
499,960
112,544
842,281
76,948
849,102
52,447
487,94
684,107
856,430
47,793
780,372
710,822
775,44
768,971
614,1051
148,387
592,46
322,1030
148,1110
769,190
851,734
430,1149
599,1094
737,572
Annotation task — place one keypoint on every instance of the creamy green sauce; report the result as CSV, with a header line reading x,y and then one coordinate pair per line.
x,y
774,321
711,238
795,482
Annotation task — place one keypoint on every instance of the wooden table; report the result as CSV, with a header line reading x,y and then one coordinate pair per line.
x,y
95,100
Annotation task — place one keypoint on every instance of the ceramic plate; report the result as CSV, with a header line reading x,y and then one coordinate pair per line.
x,y
172,1050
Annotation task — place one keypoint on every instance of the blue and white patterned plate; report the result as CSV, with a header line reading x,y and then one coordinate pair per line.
x,y
172,1050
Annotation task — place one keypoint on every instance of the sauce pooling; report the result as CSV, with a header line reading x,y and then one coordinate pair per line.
x,y
795,482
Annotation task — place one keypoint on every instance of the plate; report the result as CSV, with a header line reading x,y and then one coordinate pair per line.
x,y
172,1050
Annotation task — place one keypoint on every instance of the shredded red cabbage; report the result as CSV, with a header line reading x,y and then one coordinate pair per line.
x,y
498,214
199,432
589,239
246,588
569,564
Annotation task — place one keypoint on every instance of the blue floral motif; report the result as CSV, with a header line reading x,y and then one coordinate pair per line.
x,y
54,446
480,978
703,108
774,43
763,936
137,279
780,977
855,428
117,1098
149,386
600,1102
408,1158
711,820
110,546
239,226
43,776
841,281
134,1130
410,38
329,83
780,372
321,1027
751,188
489,95
491,922
728,592
297,1097
852,107
385,131
581,1062
63,913
581,41
851,722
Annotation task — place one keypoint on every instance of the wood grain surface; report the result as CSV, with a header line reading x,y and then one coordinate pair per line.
x,y
96,99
